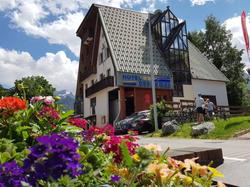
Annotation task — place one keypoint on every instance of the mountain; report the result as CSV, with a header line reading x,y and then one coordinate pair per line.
x,y
67,99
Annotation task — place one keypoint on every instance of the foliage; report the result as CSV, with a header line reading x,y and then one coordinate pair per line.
x,y
45,147
3,91
215,43
162,109
29,87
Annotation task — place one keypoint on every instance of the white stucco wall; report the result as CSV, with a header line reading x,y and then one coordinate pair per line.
x,y
102,106
205,87
187,92
216,88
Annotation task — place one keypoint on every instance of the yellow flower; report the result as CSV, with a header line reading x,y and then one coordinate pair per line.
x,y
203,170
155,167
136,158
187,180
124,172
154,148
165,174
176,164
113,169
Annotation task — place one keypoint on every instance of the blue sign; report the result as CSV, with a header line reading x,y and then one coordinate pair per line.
x,y
143,81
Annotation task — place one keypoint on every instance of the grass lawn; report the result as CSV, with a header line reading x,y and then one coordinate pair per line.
x,y
224,129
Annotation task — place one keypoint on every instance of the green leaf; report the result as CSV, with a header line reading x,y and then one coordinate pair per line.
x,y
67,114
4,157
20,129
25,135
215,172
126,156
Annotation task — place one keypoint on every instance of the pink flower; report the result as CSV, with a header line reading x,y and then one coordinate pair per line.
x,y
49,100
49,112
36,99
82,123
108,130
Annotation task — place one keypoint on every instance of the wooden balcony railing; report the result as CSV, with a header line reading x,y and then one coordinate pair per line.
x,y
104,83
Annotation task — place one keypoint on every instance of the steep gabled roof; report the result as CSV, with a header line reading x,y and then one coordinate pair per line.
x,y
127,32
202,68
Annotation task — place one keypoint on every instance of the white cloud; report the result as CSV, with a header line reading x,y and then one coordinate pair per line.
x,y
56,20
57,68
234,25
7,4
200,2
61,31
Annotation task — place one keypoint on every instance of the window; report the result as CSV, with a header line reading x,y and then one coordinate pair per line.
x,y
101,76
171,38
86,86
178,90
92,82
92,105
105,54
101,58
108,53
108,72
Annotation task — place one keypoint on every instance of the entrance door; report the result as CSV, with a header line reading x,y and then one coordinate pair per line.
x,y
130,106
113,105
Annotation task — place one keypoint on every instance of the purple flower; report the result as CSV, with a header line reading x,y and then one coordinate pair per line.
x,y
54,156
115,178
11,174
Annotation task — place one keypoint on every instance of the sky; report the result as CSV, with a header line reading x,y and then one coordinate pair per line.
x,y
38,37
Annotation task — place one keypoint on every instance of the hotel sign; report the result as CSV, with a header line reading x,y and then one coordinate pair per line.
x,y
143,81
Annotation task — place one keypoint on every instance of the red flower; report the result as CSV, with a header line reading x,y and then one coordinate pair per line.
x,y
9,105
82,123
113,145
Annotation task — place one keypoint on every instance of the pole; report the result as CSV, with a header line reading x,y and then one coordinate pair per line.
x,y
152,72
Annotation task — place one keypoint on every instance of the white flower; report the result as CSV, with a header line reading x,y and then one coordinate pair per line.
x,y
49,100
153,147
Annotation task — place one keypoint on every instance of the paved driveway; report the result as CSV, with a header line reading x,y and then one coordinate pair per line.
x,y
236,153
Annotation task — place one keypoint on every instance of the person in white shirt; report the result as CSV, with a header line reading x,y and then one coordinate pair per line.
x,y
199,104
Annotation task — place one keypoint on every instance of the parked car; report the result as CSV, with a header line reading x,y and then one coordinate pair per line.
x,y
138,121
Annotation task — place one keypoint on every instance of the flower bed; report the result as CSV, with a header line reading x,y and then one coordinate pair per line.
x,y
41,146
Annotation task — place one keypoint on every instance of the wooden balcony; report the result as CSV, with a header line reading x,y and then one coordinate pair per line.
x,y
102,84
87,73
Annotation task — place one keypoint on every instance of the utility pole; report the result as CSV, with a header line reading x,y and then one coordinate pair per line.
x,y
152,72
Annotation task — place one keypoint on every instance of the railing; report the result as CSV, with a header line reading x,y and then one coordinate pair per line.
x,y
230,111
184,111
104,83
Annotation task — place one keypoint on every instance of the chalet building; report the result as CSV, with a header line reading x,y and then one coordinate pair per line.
x,y
114,68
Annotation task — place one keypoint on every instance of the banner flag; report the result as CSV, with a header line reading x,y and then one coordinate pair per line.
x,y
244,29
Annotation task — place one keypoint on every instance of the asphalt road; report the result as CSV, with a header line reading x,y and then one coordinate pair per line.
x,y
236,153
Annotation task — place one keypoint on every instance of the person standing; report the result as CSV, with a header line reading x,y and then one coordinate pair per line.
x,y
210,108
199,104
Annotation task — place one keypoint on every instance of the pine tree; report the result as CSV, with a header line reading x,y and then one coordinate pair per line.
x,y
215,43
